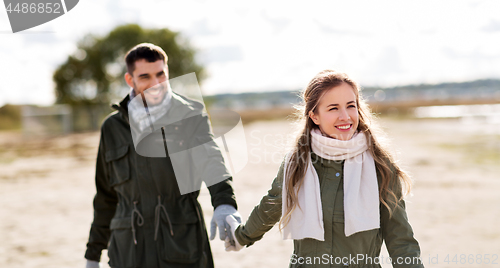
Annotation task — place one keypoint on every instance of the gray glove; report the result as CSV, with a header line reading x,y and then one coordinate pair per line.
x,y
219,219
92,264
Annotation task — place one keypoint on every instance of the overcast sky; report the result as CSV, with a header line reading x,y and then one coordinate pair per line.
x,y
275,45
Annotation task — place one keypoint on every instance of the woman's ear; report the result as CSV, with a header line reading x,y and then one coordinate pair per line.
x,y
313,117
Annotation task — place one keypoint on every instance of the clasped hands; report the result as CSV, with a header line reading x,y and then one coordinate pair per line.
x,y
227,218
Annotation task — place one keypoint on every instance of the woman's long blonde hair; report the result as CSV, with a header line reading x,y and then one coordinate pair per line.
x,y
390,174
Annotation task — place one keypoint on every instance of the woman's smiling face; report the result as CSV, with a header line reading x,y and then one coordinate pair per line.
x,y
337,113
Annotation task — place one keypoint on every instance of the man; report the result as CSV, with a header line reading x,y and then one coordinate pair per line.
x,y
142,213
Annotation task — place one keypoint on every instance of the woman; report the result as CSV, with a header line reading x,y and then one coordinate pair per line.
x,y
342,191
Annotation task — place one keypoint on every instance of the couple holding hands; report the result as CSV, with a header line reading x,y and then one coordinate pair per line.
x,y
338,193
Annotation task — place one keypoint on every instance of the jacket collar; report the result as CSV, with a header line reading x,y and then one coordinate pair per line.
x,y
180,107
122,106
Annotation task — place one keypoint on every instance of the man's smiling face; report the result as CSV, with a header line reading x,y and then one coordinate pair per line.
x,y
147,78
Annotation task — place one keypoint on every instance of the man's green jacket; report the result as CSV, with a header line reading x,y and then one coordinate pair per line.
x,y
139,214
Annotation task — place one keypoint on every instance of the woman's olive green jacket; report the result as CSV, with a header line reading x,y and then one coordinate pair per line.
x,y
337,250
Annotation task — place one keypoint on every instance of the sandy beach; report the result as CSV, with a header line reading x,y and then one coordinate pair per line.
x,y
47,187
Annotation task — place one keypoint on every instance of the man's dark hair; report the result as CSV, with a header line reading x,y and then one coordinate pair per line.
x,y
146,51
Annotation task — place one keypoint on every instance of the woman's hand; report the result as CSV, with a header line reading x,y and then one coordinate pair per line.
x,y
232,244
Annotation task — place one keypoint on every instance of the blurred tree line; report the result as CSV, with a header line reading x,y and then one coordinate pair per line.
x,y
10,117
468,85
92,78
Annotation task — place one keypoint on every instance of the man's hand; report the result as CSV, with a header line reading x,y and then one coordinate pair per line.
x,y
92,264
232,245
219,219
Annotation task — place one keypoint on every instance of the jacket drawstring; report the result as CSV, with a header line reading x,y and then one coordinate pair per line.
x,y
140,220
158,210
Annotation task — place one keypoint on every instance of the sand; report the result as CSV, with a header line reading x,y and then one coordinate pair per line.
x,y
47,186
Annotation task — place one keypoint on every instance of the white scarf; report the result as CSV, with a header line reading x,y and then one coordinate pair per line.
x,y
140,114
361,197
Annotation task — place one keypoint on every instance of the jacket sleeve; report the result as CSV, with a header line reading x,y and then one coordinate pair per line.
x,y
210,164
398,235
264,216
105,202
222,193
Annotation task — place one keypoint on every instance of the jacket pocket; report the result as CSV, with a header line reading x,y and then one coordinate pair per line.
x,y
185,245
119,168
121,248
